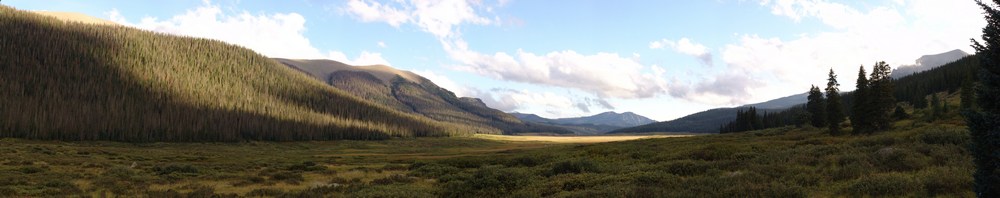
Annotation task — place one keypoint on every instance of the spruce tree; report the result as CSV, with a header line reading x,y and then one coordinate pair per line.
x,y
880,97
920,102
834,105
859,109
936,110
816,107
968,95
984,124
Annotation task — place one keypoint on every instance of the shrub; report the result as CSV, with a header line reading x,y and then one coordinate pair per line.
x,y
288,177
891,184
894,159
33,169
686,167
391,179
306,167
265,192
574,166
174,168
434,170
944,136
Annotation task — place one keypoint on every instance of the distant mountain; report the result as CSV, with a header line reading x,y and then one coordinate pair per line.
x,y
928,62
782,103
702,122
595,124
411,93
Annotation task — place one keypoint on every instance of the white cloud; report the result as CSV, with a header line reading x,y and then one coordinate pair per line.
x,y
549,104
373,11
382,44
897,35
444,82
283,32
365,58
438,17
687,47
602,74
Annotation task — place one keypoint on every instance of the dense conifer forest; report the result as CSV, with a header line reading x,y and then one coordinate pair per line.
x,y
71,81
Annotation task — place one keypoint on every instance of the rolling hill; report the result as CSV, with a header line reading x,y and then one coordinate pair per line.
x,y
595,124
407,92
67,80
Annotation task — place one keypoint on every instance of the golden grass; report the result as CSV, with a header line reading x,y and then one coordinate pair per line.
x,y
572,139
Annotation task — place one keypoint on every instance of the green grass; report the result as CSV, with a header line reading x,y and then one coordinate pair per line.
x,y
917,159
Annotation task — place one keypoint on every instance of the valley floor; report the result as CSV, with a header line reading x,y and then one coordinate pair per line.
x,y
916,159
253,168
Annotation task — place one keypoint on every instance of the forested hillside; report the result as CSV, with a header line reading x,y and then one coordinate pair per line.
x,y
73,81
405,91
912,89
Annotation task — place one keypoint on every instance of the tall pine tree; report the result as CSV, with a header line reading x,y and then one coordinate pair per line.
x,y
834,104
984,124
816,107
859,109
880,97
968,95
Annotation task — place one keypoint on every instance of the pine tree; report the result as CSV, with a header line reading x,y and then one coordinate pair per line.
x,y
900,113
968,95
816,107
920,102
936,110
880,97
859,109
984,124
834,105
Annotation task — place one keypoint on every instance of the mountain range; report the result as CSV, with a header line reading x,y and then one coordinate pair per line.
x,y
595,124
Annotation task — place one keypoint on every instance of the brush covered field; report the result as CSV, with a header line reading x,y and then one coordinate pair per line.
x,y
917,159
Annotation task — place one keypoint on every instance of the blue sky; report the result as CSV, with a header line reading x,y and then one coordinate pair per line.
x,y
566,58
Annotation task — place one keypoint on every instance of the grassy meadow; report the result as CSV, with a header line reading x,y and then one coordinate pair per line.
x,y
919,158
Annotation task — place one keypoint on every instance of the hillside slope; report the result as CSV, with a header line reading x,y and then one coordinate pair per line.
x,y
74,81
408,92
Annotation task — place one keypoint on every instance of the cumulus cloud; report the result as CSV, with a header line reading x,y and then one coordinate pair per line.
x,y
440,18
373,11
897,35
687,47
365,58
602,74
284,32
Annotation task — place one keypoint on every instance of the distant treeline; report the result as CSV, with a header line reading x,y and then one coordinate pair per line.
x,y
72,81
915,90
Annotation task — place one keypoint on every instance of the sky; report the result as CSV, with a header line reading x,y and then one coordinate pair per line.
x,y
570,58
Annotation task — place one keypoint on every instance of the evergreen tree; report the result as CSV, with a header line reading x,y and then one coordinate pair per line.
x,y
816,107
936,110
920,102
984,124
859,109
834,105
880,97
900,113
968,95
